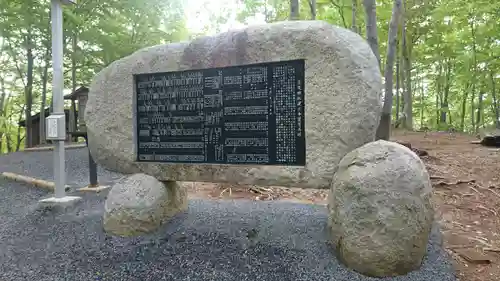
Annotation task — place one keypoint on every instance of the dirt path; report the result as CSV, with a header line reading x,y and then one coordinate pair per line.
x,y
466,178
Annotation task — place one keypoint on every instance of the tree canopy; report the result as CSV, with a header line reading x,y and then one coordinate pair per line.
x,y
447,55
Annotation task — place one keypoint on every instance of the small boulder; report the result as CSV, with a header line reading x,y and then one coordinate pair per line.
x,y
380,210
140,203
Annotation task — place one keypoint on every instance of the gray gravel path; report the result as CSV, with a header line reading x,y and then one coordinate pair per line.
x,y
39,164
208,242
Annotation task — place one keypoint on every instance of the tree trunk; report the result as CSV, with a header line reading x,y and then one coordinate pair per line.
x,y
401,63
472,109
371,27
2,97
29,93
479,116
43,103
464,106
19,139
384,128
294,9
2,103
473,76
72,116
403,88
495,101
439,94
266,12
408,104
422,102
312,5
397,86
354,12
446,92
8,139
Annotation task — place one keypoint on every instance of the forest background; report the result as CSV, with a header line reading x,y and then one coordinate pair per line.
x,y
440,58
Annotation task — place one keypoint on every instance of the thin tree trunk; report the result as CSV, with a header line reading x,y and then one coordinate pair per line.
x,y
371,27
422,103
2,103
294,9
2,97
4,129
8,139
472,109
397,86
437,110
354,13
266,12
439,94
43,104
402,85
495,101
479,115
312,5
402,46
19,139
340,8
444,101
72,116
464,106
408,104
384,128
474,67
29,93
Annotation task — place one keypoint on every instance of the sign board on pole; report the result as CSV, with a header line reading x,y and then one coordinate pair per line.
x,y
55,127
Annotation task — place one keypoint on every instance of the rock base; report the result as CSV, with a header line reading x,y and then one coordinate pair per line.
x,y
380,210
140,204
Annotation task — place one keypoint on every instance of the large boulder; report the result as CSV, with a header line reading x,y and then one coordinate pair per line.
x,y
139,204
342,99
380,209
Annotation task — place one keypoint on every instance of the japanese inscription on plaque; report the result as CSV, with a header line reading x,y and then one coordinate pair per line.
x,y
247,114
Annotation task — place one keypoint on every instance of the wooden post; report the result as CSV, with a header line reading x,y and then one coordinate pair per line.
x,y
82,102
92,168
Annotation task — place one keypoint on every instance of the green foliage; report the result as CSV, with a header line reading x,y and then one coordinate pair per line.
x,y
453,47
105,32
437,32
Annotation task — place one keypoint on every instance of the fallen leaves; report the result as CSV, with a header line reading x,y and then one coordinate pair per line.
x,y
473,255
419,152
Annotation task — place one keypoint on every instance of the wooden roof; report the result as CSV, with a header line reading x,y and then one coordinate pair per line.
x,y
35,118
78,92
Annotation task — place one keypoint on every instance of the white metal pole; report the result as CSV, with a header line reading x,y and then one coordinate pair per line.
x,y
57,95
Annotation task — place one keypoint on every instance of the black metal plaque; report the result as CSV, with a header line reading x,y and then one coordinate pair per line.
x,y
247,114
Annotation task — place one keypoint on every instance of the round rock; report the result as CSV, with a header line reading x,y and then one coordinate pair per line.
x,y
140,203
380,210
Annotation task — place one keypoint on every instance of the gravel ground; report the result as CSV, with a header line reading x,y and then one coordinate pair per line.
x,y
39,164
208,242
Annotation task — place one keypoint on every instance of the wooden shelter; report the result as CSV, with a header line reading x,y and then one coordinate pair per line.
x,y
74,117
35,126
79,96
